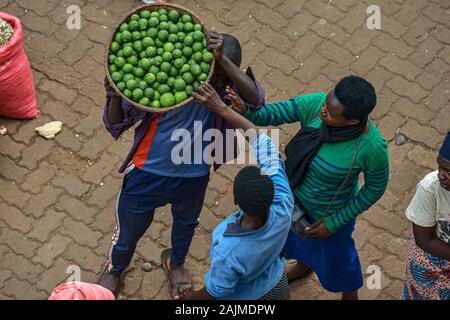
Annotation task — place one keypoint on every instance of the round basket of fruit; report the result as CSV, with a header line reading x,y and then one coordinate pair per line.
x,y
156,57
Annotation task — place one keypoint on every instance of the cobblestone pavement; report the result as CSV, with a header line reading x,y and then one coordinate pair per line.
x,y
58,197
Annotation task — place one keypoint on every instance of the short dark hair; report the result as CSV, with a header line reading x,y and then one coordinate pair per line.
x,y
232,49
253,191
358,97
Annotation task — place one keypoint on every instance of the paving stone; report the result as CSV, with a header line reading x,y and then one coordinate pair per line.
x,y
13,195
34,22
21,290
390,45
274,39
76,49
100,169
330,32
407,89
51,250
84,257
105,193
76,209
262,12
39,202
15,218
41,9
390,124
38,178
418,30
414,111
394,267
149,250
54,276
385,220
11,148
19,243
81,233
58,91
426,52
200,245
311,66
404,68
152,283
72,184
43,228
354,19
378,76
61,112
96,145
428,136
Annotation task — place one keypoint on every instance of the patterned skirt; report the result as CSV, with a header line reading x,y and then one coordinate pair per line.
x,y
427,277
280,291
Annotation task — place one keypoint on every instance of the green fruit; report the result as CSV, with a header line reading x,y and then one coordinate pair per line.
x,y
174,15
202,77
159,51
127,77
196,70
143,85
121,86
188,27
144,101
149,93
127,52
173,38
189,90
167,56
128,68
137,45
154,69
152,33
198,36
155,14
177,53
196,85
142,55
148,42
145,64
138,93
197,47
123,27
159,43
187,52
173,72
169,47
163,18
205,67
116,77
127,93
136,35
179,85
180,97
163,35
153,22
188,41
132,84
170,82
133,60
163,88
197,57
208,57
133,25
150,78
188,78
145,14
198,27
178,63
113,68
151,52
120,62
143,24
111,58
155,86
161,77
167,100
186,18
143,34
135,17
139,72
128,44
164,26
157,61
155,104
115,47
163,11
179,46
185,68
165,67
118,38
173,29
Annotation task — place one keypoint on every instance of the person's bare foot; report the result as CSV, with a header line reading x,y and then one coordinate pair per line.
x,y
296,270
110,281
180,281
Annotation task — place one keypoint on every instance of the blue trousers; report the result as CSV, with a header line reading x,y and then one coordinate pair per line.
x,y
142,192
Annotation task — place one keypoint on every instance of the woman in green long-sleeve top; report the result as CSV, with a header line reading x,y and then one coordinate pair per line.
x,y
335,136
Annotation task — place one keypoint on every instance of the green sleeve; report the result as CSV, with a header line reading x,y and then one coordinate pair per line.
x,y
303,108
376,179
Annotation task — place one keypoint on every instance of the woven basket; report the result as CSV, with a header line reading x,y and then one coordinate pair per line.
x,y
151,7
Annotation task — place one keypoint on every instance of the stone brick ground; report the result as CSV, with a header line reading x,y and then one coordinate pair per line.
x,y
57,197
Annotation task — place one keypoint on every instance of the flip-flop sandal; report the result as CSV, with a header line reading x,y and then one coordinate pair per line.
x,y
165,255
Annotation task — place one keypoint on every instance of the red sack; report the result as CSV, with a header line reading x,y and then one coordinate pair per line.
x,y
17,95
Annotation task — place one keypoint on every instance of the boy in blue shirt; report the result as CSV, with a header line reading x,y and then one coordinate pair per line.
x,y
245,256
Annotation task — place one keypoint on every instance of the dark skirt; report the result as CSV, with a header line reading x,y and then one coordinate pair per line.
x,y
280,291
335,259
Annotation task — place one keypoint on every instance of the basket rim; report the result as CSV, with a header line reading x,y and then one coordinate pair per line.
x,y
116,27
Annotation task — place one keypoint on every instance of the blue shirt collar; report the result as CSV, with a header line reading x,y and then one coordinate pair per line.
x,y
235,229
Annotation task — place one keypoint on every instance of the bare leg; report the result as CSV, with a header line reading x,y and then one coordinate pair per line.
x,y
296,270
350,296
